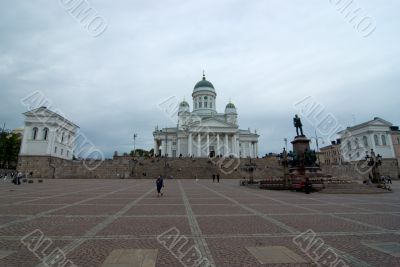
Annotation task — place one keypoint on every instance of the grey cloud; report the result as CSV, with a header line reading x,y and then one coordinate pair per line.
x,y
264,55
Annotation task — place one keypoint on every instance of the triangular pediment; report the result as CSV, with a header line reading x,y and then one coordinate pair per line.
x,y
213,122
380,122
45,112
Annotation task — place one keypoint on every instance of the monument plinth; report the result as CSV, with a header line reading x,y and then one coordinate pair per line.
x,y
301,144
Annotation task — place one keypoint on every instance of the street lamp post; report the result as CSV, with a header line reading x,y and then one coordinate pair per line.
x,y
165,154
317,144
134,144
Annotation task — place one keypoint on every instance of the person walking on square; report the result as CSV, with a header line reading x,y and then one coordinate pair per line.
x,y
307,186
213,178
159,185
218,177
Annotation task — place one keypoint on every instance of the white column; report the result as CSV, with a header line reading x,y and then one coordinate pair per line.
x,y
169,148
190,144
250,154
208,145
238,147
237,153
218,152
233,145
164,147
226,148
155,147
198,145
178,147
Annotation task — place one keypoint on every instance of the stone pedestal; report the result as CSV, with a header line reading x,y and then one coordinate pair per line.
x,y
300,145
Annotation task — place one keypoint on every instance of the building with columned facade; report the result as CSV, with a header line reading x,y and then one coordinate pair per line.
x,y
203,132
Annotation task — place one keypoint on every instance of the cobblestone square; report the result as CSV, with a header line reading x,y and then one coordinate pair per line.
x,y
88,220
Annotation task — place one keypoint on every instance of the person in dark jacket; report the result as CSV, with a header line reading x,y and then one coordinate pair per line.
x,y
159,185
307,186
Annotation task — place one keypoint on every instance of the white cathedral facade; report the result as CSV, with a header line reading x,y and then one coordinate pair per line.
x,y
203,132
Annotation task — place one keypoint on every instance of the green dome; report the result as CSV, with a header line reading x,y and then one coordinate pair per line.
x,y
184,104
230,105
204,83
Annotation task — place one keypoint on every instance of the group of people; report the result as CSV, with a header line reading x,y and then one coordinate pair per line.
x,y
160,183
386,179
15,177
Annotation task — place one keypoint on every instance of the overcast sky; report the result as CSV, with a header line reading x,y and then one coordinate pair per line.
x,y
263,55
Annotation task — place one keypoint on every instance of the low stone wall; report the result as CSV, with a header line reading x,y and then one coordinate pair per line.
x,y
359,171
126,167
185,168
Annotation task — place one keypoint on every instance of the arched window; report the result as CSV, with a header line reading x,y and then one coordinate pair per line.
x,y
383,140
34,133
365,141
376,140
45,133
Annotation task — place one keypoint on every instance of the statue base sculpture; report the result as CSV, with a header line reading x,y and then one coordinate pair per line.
x,y
301,144
302,166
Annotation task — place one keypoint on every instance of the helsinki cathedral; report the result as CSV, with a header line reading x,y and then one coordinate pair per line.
x,y
203,132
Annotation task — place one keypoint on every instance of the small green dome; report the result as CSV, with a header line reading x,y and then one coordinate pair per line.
x,y
204,83
184,104
230,105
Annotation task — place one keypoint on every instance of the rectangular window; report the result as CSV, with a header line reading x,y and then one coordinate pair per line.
x,y
205,104
200,105
62,151
210,104
67,153
55,149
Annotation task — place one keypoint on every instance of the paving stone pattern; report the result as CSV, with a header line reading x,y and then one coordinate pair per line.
x,y
89,219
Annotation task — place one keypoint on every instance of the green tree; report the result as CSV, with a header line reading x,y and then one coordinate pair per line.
x,y
10,144
142,153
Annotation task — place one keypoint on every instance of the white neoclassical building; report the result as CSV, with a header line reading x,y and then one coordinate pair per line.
x,y
47,133
358,140
203,132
